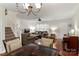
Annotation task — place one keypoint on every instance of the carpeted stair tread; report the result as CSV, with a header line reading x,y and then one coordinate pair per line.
x,y
9,33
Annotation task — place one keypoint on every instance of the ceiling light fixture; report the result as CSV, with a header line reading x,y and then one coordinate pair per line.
x,y
53,28
30,8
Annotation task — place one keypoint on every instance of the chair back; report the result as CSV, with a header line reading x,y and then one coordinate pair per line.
x,y
47,42
12,45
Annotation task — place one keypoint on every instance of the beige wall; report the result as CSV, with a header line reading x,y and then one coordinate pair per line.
x,y
76,21
10,18
2,30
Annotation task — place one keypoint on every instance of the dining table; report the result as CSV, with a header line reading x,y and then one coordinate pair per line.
x,y
33,50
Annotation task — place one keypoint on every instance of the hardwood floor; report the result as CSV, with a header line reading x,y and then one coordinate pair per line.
x,y
59,46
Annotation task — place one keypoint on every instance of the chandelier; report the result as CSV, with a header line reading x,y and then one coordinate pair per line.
x,y
29,8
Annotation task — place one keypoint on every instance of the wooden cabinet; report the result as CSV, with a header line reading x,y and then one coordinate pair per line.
x,y
73,42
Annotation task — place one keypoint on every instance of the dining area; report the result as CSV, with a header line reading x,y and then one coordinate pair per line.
x,y
33,51
36,45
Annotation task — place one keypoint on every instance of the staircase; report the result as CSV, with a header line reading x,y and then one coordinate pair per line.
x,y
9,33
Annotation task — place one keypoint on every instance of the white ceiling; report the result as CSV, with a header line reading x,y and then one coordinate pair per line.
x,y
49,11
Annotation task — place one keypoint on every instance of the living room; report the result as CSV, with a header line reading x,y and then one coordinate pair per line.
x,y
44,30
